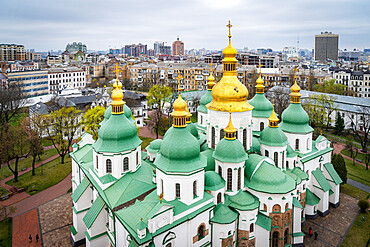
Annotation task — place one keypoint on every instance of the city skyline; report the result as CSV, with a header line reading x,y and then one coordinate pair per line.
x,y
199,24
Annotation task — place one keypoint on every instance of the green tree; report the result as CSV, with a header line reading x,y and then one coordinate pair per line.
x,y
92,119
340,166
158,95
61,127
363,204
339,124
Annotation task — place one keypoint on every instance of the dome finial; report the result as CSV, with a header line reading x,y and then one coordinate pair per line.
x,y
117,95
179,109
211,79
229,26
273,119
295,89
179,77
230,130
260,83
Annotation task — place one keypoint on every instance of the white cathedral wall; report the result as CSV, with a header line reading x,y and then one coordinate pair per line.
x,y
202,119
262,237
281,151
121,235
246,218
313,164
234,167
84,202
275,199
221,231
219,120
99,225
79,225
216,192
323,205
256,123
297,219
169,182
98,242
310,210
305,141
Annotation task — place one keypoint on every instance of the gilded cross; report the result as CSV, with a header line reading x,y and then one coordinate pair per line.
x,y
116,69
260,66
295,73
229,26
179,77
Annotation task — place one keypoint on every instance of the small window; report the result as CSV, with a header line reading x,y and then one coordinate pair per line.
x,y
262,126
97,162
219,198
195,189
251,228
266,153
125,164
109,166
276,158
239,178
229,179
296,144
220,171
222,134
177,190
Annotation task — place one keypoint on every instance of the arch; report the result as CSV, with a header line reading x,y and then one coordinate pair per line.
x,y
276,208
213,133
108,164
239,178
195,188
222,134
125,164
178,191
169,236
275,239
251,228
282,159
286,206
296,144
266,153
286,235
201,231
245,138
201,119
265,207
219,198
229,233
229,179
276,158
262,126
220,171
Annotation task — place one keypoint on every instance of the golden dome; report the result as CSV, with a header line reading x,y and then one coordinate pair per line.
x,y
117,98
230,130
295,89
211,79
179,109
229,90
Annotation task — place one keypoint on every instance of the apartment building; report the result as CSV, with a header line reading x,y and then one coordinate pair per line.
x,y
32,82
357,81
12,52
61,78
33,56
178,48
326,46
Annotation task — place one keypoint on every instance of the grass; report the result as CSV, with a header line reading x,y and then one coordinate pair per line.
x,y
146,141
353,191
46,142
25,163
358,235
3,191
53,173
18,118
6,232
360,156
357,172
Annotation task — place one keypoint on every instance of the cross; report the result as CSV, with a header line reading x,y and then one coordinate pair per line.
x,y
116,69
179,77
260,66
229,26
295,73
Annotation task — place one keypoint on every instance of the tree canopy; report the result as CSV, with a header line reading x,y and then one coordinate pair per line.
x,y
92,119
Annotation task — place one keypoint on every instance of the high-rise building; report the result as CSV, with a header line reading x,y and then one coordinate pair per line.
x,y
136,50
160,48
178,47
12,52
75,47
326,46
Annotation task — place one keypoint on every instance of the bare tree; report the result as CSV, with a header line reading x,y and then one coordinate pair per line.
x,y
351,147
360,125
12,100
281,98
311,79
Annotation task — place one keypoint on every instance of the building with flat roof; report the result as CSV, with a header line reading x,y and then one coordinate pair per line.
x,y
12,52
326,46
178,47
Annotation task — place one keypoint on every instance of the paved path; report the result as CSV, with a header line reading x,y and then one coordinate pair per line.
x,y
358,185
338,147
23,226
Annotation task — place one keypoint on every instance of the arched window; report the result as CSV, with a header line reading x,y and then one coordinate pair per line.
x,y
201,231
222,134
201,119
287,165
286,235
220,171
245,139
137,158
276,208
286,206
177,190
296,144
275,239
293,163
239,178
108,166
251,228
97,162
262,126
213,138
125,164
282,159
169,245
265,207
308,143
266,153
195,189
229,179
276,158
219,198
236,134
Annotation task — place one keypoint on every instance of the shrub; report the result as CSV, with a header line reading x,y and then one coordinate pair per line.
x,y
363,205
340,166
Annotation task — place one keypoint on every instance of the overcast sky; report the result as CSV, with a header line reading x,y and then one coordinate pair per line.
x,y
50,24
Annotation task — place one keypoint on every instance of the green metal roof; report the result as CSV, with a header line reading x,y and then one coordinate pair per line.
x,y
251,164
208,153
206,99
93,212
141,225
311,198
108,178
222,214
273,137
154,146
296,203
295,119
292,175
193,130
256,146
333,174
298,171
243,200
317,154
264,221
231,151
262,106
213,181
73,230
298,234
80,189
118,134
324,184
290,152
180,152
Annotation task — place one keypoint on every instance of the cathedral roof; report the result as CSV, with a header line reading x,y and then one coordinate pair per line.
x,y
295,119
208,153
193,130
273,137
222,214
230,151
154,146
243,200
262,106
213,181
206,99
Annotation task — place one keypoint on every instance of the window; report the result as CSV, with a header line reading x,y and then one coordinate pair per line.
x,y
229,179
109,166
286,234
265,207
296,144
293,163
177,190
262,126
222,134
213,138
251,228
220,171
275,239
219,198
201,231
137,158
195,189
266,153
276,208
245,138
308,143
97,162
125,164
239,178
282,160
276,158
286,206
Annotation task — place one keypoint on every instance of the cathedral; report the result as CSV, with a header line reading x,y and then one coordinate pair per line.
x,y
237,177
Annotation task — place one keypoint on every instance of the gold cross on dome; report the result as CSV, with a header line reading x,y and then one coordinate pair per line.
x,y
179,77
260,66
229,26
295,73
116,69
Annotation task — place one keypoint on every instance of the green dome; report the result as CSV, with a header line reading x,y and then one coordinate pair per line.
x,y
208,153
179,152
251,164
295,119
231,151
116,135
154,146
213,181
290,152
256,146
168,131
243,200
268,178
193,130
107,114
127,111
206,99
273,137
262,106
222,214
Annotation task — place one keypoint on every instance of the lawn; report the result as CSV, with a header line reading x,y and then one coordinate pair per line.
x,y
358,235
53,173
353,191
360,156
357,172
146,141
18,118
3,192
6,233
25,163
46,142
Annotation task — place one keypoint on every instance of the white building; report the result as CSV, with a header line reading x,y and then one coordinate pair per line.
x,y
61,78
